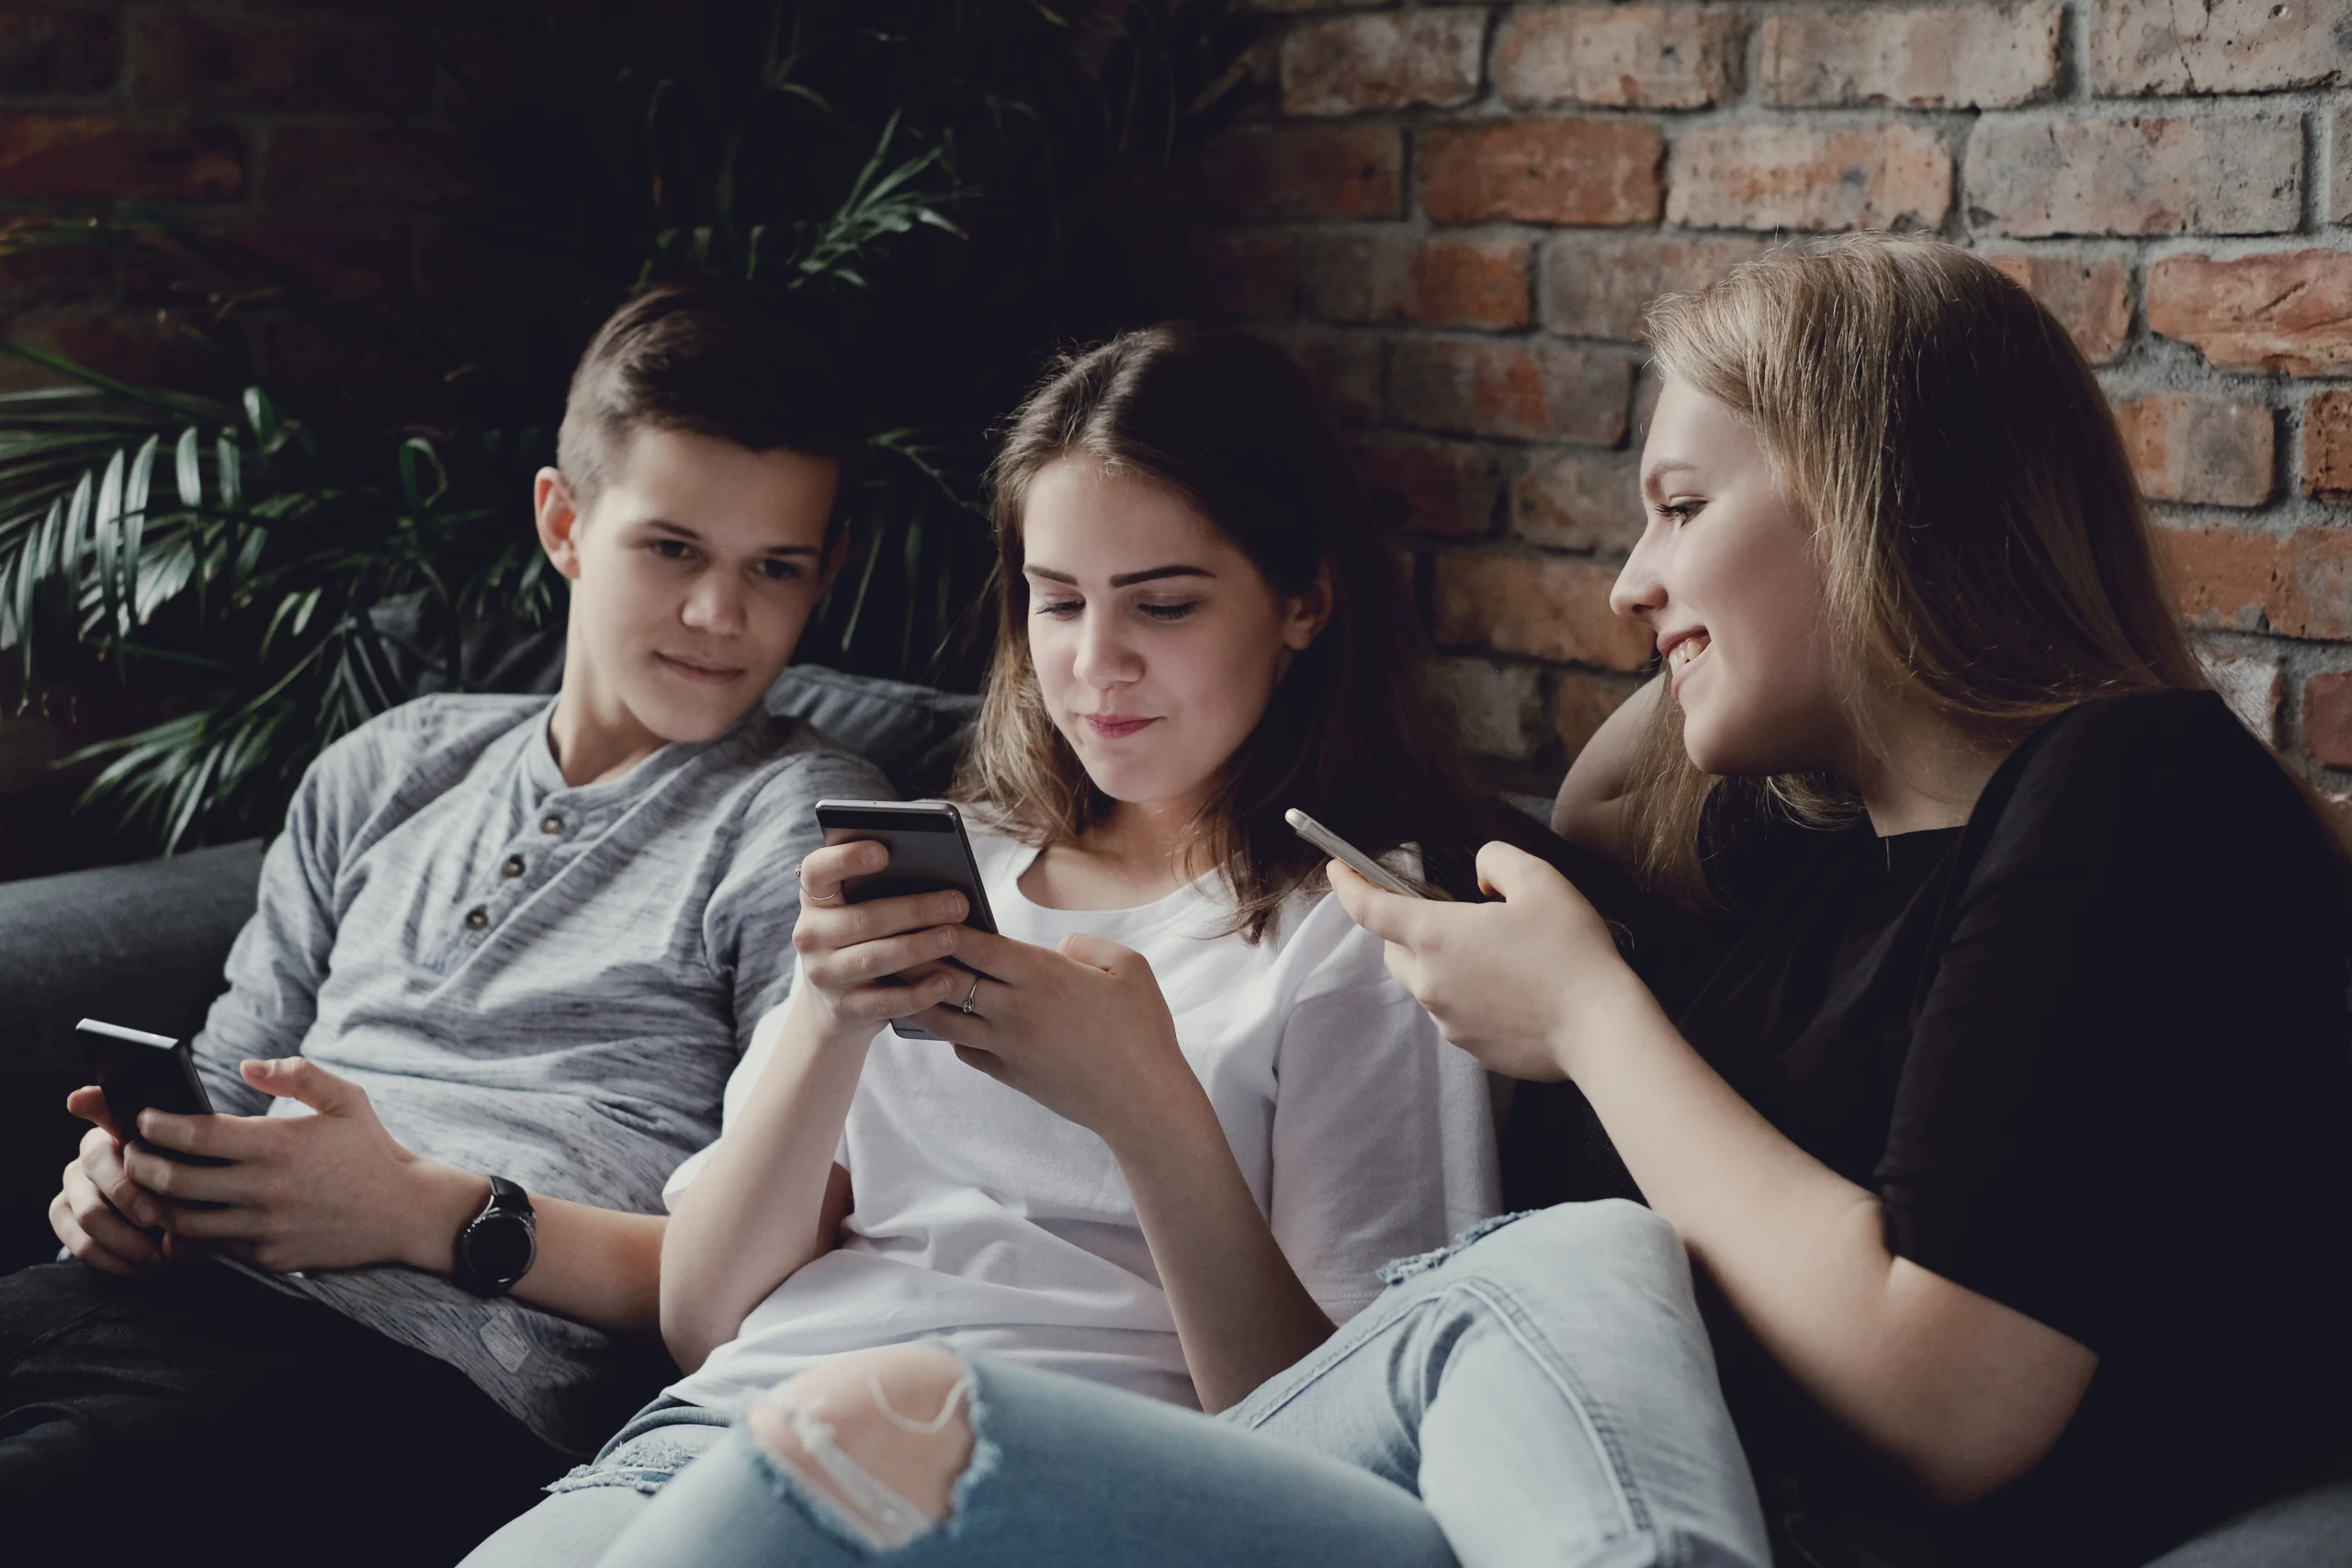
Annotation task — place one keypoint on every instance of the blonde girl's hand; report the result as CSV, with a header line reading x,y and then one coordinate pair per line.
x,y
1080,1028
863,965
1512,982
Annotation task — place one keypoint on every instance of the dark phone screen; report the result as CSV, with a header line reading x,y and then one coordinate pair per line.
x,y
135,1076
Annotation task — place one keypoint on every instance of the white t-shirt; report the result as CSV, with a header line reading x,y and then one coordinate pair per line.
x,y
985,1219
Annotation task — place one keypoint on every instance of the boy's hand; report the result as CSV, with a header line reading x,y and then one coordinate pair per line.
x,y
101,1216
331,1190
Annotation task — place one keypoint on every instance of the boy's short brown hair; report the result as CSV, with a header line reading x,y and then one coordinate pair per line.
x,y
707,358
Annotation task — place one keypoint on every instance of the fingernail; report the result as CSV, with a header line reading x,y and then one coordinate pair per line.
x,y
942,941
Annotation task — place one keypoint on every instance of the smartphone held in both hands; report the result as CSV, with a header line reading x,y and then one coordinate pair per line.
x,y
929,853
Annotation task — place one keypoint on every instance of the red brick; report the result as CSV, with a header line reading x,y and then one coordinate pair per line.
x,y
46,50
1579,501
344,265
1241,273
1470,282
1785,175
1509,389
2237,173
138,346
332,170
1346,370
2218,46
1432,487
2327,447
1388,60
99,155
2289,310
1544,608
49,274
2091,296
1325,171
1389,275
1585,701
1542,171
233,63
2207,450
2252,684
1498,706
1947,56
2298,585
1599,285
2327,719
1621,57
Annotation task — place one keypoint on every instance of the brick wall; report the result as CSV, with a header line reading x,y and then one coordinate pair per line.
x,y
300,130
1455,214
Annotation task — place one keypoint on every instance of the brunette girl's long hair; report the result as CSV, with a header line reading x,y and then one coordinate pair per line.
x,y
1983,544
1353,734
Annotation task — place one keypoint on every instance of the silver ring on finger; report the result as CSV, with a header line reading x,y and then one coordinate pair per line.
x,y
969,995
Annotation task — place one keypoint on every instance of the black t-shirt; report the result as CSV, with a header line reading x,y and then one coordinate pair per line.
x,y
2093,1052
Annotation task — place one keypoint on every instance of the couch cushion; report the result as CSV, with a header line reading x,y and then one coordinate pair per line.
x,y
913,733
2310,1529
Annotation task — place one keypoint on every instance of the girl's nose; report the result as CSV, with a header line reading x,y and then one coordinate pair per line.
x,y
1103,658
1640,589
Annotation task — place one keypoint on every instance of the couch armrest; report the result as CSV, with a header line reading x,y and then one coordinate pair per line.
x,y
139,944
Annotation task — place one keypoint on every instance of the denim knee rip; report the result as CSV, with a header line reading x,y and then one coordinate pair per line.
x,y
647,1463
1422,1262
880,1519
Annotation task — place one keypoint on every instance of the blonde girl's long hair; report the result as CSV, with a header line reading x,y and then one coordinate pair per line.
x,y
1983,543
1354,735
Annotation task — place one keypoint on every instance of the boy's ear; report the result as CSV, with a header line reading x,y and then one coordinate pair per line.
x,y
558,512
1310,611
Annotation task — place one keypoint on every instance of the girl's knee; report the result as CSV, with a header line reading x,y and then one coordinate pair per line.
x,y
882,1434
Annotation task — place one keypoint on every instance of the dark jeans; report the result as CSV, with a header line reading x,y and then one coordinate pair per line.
x,y
204,1411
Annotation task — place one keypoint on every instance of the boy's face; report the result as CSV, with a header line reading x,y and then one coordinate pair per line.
x,y
693,572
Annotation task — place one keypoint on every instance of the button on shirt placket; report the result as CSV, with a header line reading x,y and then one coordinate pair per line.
x,y
511,872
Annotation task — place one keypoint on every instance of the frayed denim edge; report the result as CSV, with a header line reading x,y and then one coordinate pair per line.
x,y
826,1515
985,1453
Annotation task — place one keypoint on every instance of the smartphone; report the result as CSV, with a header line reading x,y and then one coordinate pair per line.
x,y
929,853
138,1071
1340,850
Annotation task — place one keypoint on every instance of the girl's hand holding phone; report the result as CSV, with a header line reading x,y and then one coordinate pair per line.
x,y
863,965
1082,1029
1513,982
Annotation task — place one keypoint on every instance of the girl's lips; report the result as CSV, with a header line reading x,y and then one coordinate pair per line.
x,y
1685,653
1112,726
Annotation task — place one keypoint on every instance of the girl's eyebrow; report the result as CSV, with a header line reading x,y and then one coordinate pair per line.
x,y
1124,578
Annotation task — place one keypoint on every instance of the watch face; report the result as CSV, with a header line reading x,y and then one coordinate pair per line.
x,y
499,1247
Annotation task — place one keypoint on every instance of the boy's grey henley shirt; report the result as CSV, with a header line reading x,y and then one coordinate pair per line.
x,y
530,980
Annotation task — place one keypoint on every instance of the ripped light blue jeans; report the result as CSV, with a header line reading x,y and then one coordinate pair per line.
x,y
1542,1392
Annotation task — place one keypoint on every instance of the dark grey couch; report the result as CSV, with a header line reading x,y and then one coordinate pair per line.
x,y
143,946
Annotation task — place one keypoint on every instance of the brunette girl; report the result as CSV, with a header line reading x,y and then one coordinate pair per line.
x,y
1185,1114
1999,1095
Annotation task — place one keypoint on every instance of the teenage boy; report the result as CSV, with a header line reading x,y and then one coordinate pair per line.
x,y
506,954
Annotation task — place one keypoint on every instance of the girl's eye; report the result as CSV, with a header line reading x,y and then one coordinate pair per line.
x,y
779,571
1171,612
1678,512
669,549
1060,609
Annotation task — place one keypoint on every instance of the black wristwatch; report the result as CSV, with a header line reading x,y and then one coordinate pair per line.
x,y
498,1246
